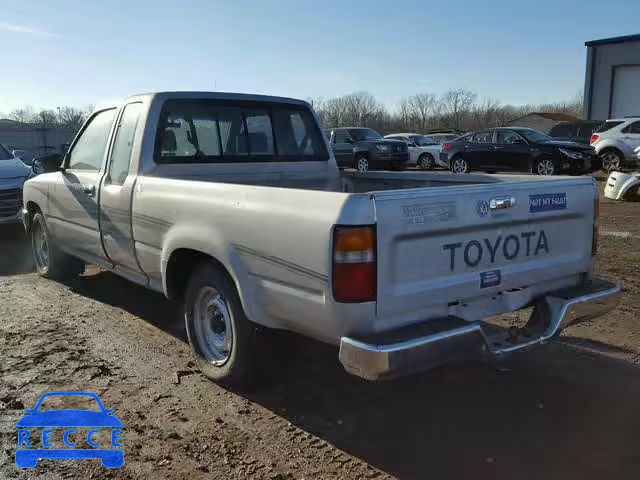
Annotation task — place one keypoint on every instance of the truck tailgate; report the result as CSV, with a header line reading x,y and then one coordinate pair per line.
x,y
439,247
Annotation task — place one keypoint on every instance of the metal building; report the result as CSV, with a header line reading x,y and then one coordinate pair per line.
x,y
612,79
34,138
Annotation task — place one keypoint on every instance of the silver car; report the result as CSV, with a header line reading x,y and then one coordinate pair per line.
x,y
616,142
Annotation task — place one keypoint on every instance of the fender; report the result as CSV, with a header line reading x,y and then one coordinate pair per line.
x,y
619,184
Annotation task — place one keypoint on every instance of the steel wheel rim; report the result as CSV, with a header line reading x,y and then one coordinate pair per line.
x,y
363,165
610,161
545,167
425,162
459,165
213,327
40,246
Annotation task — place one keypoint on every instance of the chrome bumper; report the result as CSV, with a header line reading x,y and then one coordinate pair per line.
x,y
419,347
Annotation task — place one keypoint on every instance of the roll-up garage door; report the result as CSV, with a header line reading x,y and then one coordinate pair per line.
x,y
625,98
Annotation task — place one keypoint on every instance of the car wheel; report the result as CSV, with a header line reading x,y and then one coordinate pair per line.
x,y
362,163
426,161
610,160
50,261
221,336
459,165
544,166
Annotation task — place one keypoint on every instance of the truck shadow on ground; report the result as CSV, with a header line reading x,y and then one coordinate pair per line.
x,y
548,413
15,251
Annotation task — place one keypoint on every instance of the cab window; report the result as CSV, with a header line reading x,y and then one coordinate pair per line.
x,y
88,151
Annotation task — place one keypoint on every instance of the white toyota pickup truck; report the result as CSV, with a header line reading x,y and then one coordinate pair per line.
x,y
233,205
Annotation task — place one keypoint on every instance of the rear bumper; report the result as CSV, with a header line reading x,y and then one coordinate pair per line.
x,y
397,353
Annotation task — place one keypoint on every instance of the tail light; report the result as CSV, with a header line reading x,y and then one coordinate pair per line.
x,y
446,146
596,216
594,139
354,263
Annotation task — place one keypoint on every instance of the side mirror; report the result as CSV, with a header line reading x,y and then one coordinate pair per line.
x,y
48,163
19,154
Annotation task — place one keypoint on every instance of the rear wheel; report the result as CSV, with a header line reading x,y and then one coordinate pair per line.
x,y
459,165
362,163
426,161
50,261
220,335
544,166
610,160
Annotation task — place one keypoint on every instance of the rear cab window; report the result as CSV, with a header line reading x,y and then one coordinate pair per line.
x,y
218,131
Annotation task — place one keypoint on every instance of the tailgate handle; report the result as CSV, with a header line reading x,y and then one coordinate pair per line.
x,y
500,203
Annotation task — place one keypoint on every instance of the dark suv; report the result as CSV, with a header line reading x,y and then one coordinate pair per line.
x,y
365,149
518,150
575,131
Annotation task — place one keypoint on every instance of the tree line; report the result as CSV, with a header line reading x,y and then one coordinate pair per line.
x,y
456,109
61,117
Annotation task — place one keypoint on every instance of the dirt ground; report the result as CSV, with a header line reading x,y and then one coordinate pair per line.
x,y
567,410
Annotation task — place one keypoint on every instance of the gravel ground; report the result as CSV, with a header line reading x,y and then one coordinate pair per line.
x,y
566,410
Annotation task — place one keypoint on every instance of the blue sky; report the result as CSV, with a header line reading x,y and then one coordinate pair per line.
x,y
73,52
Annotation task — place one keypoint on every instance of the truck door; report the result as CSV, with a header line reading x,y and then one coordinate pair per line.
x,y
116,193
73,203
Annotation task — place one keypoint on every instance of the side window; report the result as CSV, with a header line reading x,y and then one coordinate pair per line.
x,y
562,131
296,133
483,137
586,130
125,134
632,128
505,136
88,151
340,136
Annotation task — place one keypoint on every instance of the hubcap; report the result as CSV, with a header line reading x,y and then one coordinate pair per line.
x,y
40,246
459,165
426,162
610,161
545,167
212,325
363,165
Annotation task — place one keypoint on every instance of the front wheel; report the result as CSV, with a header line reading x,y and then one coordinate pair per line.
x,y
220,335
459,165
362,163
50,261
426,162
544,166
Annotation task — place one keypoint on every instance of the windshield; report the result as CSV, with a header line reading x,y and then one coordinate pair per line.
x,y
534,136
5,154
423,140
359,134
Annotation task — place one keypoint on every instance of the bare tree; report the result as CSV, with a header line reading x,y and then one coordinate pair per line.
x,y
418,110
24,114
71,117
456,105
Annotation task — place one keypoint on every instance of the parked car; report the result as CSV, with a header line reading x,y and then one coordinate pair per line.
x,y
233,206
13,174
517,149
365,149
443,137
424,151
575,131
615,142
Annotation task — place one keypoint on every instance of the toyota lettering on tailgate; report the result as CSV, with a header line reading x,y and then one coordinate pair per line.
x,y
509,247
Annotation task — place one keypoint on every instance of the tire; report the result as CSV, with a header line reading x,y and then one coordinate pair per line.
x,y
361,163
426,161
220,335
544,166
49,260
459,165
611,160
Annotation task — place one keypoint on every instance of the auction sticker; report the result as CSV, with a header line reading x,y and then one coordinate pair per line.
x,y
490,278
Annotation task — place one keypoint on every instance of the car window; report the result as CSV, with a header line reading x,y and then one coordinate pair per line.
x,y
201,131
482,137
608,125
507,137
339,136
88,151
562,130
632,128
125,134
585,130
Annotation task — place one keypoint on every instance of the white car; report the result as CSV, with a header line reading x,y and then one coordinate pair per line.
x,y
616,142
424,151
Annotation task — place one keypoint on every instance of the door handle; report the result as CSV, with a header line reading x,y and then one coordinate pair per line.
x,y
89,190
500,203
497,148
